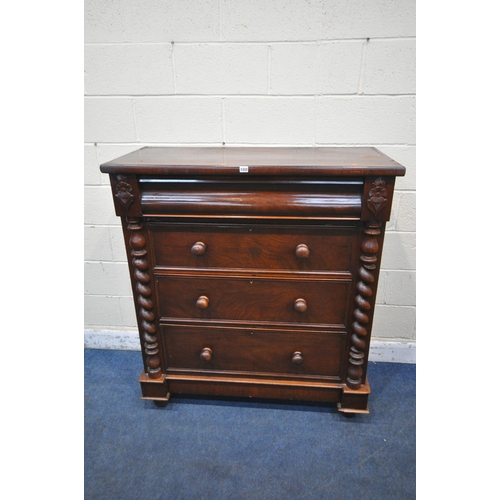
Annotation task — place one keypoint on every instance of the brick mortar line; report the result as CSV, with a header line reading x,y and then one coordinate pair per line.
x,y
223,120
113,262
102,226
362,69
172,63
258,42
134,119
220,19
122,17
217,144
410,306
253,144
114,329
269,59
315,125
244,96
395,231
391,270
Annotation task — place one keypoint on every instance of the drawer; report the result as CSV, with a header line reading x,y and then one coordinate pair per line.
x,y
253,299
251,350
286,247
264,197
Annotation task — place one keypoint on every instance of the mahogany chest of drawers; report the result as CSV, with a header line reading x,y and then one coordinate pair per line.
x,y
254,269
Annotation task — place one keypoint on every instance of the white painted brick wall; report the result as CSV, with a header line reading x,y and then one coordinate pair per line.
x,y
129,69
167,21
178,119
281,72
364,119
107,278
109,119
229,68
275,20
368,19
314,68
244,121
103,21
390,67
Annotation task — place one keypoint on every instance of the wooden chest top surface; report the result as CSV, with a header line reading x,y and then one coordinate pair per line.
x,y
228,160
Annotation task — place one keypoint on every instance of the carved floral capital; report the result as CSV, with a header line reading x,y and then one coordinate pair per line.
x,y
377,197
124,192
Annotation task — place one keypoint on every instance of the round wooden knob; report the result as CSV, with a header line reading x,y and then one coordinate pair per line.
x,y
202,302
206,354
198,248
302,251
300,305
297,358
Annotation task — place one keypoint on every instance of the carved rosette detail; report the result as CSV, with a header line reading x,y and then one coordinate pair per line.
x,y
364,299
141,280
124,191
377,197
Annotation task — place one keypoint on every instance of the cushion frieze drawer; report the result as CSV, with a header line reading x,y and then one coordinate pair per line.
x,y
253,299
257,246
251,350
251,198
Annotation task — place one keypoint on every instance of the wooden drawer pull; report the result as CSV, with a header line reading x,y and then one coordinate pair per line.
x,y
302,251
206,354
300,305
297,358
198,248
202,302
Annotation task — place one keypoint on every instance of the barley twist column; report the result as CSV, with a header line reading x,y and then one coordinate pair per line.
x,y
364,304
141,280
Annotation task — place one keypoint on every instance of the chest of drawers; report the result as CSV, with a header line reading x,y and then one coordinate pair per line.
x,y
254,269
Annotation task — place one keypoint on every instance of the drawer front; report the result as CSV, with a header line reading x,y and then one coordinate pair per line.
x,y
254,198
300,248
253,299
251,350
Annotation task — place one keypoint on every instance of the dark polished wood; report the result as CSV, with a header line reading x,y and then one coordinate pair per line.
x,y
261,351
290,299
253,246
308,161
255,269
291,198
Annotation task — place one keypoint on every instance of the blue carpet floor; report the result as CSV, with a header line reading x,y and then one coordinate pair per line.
x,y
208,448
